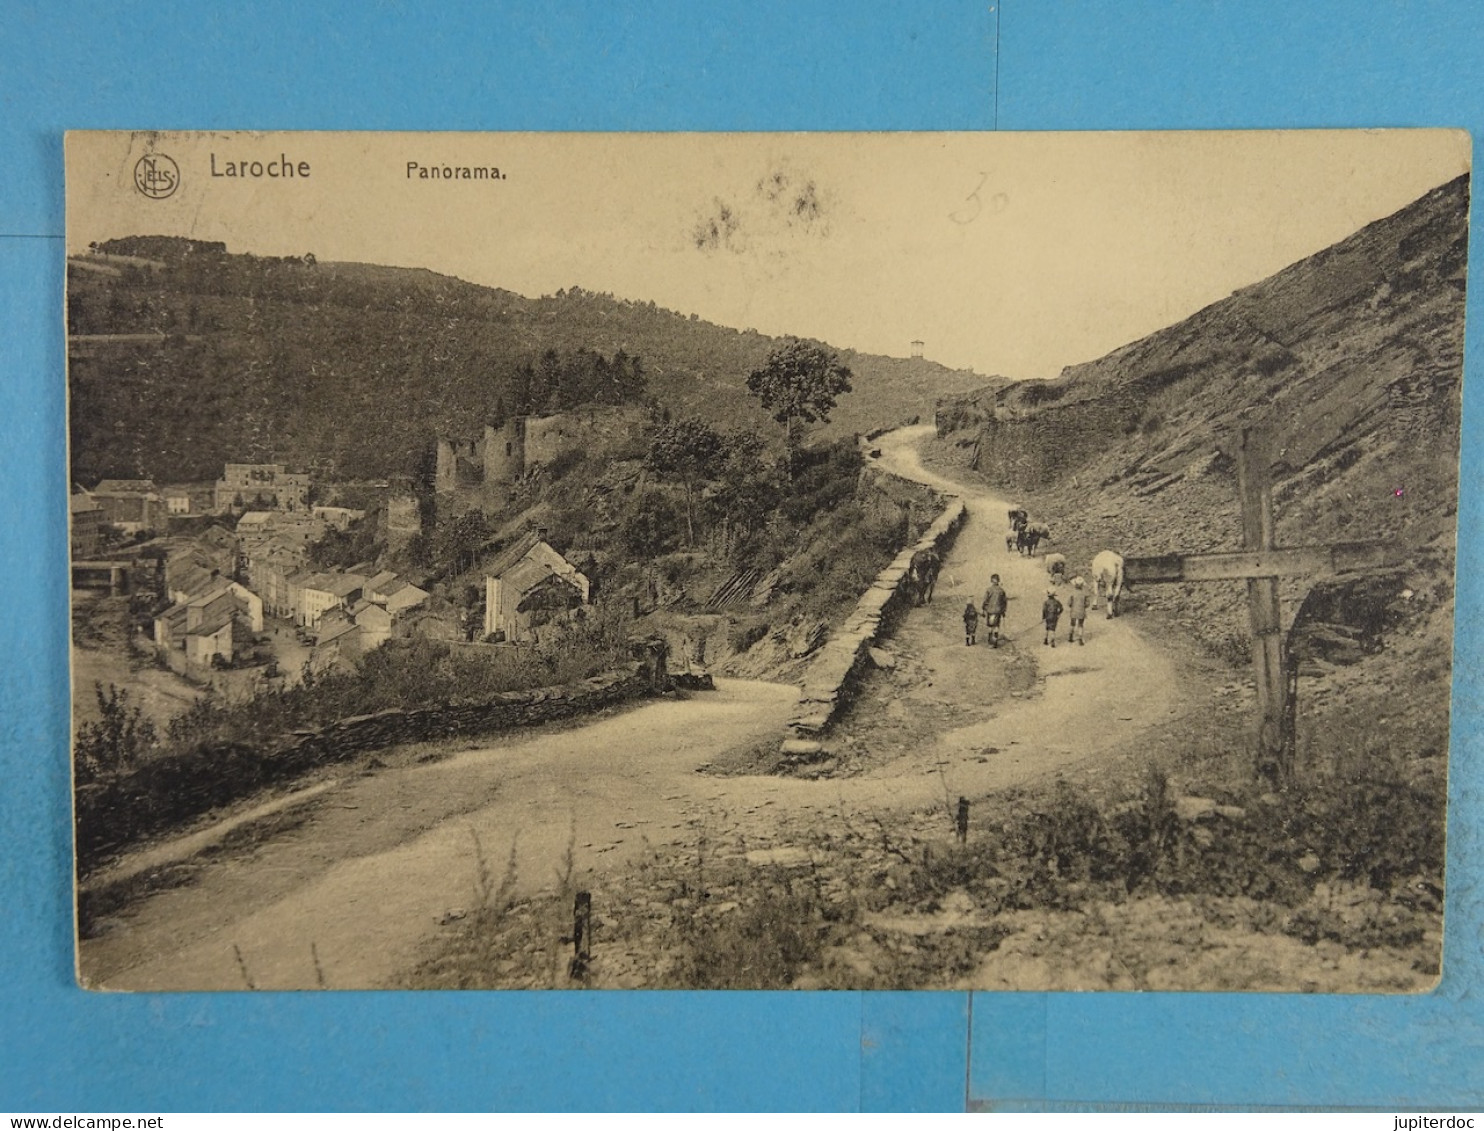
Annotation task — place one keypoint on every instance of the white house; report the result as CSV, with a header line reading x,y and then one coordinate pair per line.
x,y
528,585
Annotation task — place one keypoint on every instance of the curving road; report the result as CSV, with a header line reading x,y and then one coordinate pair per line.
x,y
360,873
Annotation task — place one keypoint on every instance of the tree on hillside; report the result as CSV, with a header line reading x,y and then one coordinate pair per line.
x,y
798,385
746,490
690,452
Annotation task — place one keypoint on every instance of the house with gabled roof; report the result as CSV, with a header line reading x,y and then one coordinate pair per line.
x,y
200,626
341,641
528,585
131,505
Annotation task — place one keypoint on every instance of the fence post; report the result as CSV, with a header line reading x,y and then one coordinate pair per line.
x,y
582,934
963,820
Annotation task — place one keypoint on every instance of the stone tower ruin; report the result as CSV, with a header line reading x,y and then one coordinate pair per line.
x,y
482,473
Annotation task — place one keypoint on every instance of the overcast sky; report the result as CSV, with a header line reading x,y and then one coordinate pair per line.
x,y
1014,254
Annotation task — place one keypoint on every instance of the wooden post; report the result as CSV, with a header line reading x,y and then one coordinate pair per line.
x,y
1261,563
582,935
1274,752
963,820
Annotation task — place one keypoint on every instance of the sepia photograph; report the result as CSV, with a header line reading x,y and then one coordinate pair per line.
x,y
763,561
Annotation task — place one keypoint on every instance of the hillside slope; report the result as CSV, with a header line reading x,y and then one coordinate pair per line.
x,y
184,356
1351,360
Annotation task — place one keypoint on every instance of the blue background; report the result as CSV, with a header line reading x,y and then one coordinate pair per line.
x,y
755,65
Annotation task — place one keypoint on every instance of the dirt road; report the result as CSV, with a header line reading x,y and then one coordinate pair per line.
x,y
356,877
1087,699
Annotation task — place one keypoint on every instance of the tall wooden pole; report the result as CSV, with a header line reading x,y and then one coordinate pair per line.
x,y
1255,484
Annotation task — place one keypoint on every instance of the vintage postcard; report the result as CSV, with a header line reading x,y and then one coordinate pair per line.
x,y
760,561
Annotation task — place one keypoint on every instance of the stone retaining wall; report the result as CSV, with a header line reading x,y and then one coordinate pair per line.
x,y
839,663
167,791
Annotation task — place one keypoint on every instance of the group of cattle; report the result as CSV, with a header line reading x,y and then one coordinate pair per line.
x,y
1024,536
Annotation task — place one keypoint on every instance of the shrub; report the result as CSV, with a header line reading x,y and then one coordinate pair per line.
x,y
117,742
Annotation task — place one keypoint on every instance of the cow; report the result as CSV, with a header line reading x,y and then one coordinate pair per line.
x,y
1018,520
923,572
1032,536
1107,579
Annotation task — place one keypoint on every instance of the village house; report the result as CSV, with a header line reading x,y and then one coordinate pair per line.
x,y
177,501
86,524
338,517
269,569
261,486
528,585
131,505
376,584
315,594
374,622
254,522
199,630
309,592
394,593
341,642
194,586
435,620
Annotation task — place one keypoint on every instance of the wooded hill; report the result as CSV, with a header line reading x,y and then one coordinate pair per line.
x,y
185,356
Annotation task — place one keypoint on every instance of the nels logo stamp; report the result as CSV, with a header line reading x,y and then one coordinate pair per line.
x,y
156,176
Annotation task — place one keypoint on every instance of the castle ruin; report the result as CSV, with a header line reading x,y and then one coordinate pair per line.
x,y
482,473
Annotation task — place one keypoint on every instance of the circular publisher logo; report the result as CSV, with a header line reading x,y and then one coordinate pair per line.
x,y
156,176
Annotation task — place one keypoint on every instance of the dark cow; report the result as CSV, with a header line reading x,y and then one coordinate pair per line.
x,y
1032,536
1018,520
923,572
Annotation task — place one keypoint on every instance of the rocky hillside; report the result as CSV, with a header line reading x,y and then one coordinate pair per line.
x,y
1350,359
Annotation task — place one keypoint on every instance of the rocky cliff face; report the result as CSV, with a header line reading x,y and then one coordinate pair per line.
x,y
1351,359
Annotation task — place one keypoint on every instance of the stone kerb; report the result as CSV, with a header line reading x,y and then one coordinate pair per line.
x,y
167,791
841,661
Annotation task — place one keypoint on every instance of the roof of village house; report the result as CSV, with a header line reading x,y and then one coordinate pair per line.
x,y
124,487
318,581
212,624
190,577
522,569
385,577
174,618
512,553
528,573
255,518
81,504
222,588
337,631
404,588
347,583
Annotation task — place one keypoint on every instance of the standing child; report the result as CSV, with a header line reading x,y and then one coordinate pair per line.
x,y
971,622
1077,611
1050,614
995,603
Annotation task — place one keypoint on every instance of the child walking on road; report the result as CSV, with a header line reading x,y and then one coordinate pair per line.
x,y
1050,614
995,603
1077,612
971,622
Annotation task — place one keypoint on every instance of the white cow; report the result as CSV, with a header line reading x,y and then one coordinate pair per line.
x,y
1107,578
